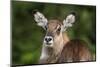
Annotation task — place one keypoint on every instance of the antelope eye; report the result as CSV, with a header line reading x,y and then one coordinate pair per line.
x,y
59,29
45,27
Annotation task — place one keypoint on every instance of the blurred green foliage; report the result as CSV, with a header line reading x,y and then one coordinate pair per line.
x,y
27,37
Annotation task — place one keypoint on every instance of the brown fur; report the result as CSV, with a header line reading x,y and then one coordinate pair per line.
x,y
74,51
65,38
64,49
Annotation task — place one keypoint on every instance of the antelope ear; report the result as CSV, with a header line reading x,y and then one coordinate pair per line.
x,y
68,22
40,19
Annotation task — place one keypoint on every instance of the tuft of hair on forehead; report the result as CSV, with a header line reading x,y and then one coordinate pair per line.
x,y
55,21
53,24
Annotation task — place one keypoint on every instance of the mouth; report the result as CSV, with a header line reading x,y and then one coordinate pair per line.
x,y
48,43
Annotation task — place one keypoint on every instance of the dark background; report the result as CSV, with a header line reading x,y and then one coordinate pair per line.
x,y
27,37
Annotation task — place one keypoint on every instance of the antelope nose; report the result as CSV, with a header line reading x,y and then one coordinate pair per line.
x,y
48,39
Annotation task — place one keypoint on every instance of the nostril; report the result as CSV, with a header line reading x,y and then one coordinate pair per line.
x,y
46,39
49,39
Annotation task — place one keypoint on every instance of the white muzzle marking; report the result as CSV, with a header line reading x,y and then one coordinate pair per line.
x,y
48,40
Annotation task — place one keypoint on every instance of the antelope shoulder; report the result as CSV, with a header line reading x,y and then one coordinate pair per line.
x,y
74,51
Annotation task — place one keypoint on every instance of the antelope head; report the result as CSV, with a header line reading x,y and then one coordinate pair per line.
x,y
54,28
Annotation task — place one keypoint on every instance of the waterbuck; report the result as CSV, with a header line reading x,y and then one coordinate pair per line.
x,y
57,47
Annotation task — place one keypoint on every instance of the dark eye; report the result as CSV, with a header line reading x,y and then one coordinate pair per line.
x,y
45,27
59,29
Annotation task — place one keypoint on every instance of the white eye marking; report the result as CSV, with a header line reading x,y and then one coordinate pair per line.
x,y
56,29
58,26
